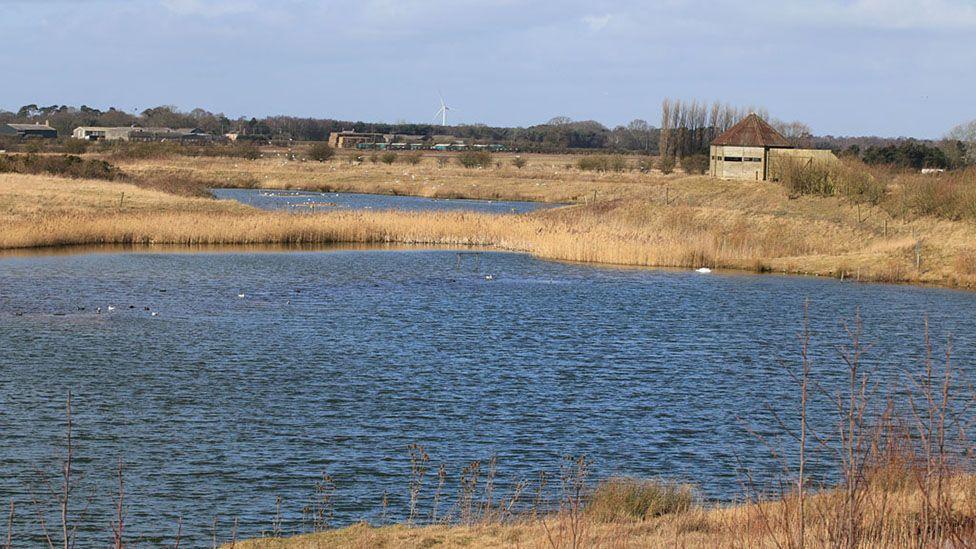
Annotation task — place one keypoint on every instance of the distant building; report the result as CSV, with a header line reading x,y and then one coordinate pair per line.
x,y
28,131
351,140
403,142
754,150
135,133
241,136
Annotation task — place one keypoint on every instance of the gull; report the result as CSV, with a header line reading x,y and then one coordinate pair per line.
x,y
489,277
241,295
154,313
111,308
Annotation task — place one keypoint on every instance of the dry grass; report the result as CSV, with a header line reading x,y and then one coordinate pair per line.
x,y
544,178
895,523
636,219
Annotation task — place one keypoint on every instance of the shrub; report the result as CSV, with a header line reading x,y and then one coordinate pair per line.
x,y
442,160
320,152
474,159
374,158
602,163
75,146
645,164
64,165
518,162
388,157
666,164
631,499
8,143
948,197
695,164
802,178
617,163
413,158
856,182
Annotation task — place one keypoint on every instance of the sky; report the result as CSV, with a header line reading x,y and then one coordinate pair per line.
x,y
844,67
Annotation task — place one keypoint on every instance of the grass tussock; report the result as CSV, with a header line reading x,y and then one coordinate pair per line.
x,y
630,499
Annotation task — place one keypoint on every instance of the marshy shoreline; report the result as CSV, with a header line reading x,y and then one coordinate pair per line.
x,y
624,219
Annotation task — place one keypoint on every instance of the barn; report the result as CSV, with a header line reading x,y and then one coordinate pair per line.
x,y
28,131
753,150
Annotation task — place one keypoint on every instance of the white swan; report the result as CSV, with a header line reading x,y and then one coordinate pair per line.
x,y
703,270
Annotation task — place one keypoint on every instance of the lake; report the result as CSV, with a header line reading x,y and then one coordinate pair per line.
x,y
337,360
312,201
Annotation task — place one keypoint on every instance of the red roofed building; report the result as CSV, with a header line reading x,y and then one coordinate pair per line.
x,y
752,149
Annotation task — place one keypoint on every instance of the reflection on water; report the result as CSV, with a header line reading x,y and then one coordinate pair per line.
x,y
338,360
311,201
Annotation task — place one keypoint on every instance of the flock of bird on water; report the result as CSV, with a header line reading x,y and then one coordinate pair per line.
x,y
243,295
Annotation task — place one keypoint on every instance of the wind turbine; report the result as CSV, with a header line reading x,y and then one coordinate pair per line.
x,y
442,112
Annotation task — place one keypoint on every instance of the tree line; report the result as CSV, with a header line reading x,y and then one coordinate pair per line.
x,y
555,135
686,129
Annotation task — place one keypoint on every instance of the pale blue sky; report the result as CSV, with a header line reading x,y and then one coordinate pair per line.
x,y
895,67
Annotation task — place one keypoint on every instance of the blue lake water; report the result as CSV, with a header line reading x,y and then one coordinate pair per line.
x,y
312,201
338,360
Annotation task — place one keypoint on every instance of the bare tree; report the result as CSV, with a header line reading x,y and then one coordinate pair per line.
x,y
797,133
688,128
641,133
965,133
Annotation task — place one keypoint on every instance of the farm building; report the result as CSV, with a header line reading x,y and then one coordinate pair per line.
x,y
754,150
134,133
28,131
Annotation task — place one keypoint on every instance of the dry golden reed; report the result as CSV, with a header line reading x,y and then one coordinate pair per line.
x,y
633,218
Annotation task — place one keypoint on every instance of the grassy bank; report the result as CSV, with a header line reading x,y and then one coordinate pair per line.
x,y
684,222
895,517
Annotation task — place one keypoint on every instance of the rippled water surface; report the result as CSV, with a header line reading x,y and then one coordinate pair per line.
x,y
338,360
311,201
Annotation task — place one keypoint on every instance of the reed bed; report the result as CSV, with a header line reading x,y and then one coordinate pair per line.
x,y
745,227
